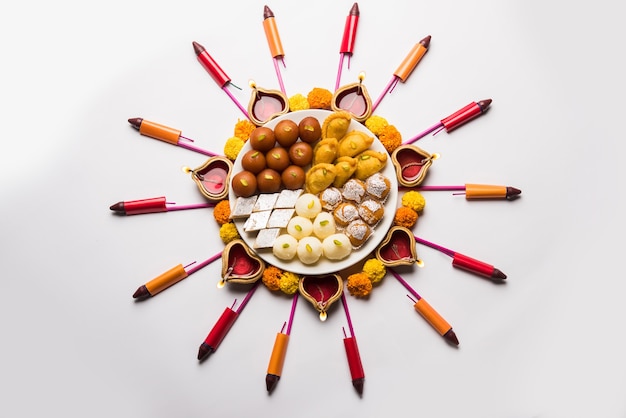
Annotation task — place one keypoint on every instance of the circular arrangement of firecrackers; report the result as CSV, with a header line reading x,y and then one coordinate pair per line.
x,y
312,189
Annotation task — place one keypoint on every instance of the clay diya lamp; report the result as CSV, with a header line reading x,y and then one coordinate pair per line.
x,y
354,99
240,264
411,164
321,291
398,248
213,177
265,105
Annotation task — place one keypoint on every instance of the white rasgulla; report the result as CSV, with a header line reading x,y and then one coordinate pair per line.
x,y
309,250
308,205
324,225
285,247
337,246
299,227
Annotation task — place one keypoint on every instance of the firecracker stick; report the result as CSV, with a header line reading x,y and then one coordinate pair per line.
x,y
279,352
429,313
223,325
473,191
166,134
348,40
171,277
276,46
466,263
352,352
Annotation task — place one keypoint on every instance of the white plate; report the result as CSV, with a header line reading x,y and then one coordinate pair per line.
x,y
325,266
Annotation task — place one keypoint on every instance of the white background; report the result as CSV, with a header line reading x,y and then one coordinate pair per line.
x,y
548,343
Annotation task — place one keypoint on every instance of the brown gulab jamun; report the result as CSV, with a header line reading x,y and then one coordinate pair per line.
x,y
301,154
244,184
309,129
293,177
262,139
277,159
253,161
286,132
268,181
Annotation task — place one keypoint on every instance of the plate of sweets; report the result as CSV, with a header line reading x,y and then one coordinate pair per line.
x,y
313,192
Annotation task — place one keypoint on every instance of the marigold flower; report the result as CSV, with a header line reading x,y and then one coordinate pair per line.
x,y
298,102
228,232
405,216
376,124
391,138
271,277
319,98
289,282
359,284
232,147
221,212
375,270
414,200
243,128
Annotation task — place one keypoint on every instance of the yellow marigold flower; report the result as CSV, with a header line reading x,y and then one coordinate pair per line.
x,y
271,277
405,217
289,282
243,129
319,98
414,200
221,212
232,147
298,102
359,284
374,269
391,138
228,232
376,124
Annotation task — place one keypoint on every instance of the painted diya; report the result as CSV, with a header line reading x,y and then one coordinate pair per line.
x,y
321,291
265,105
212,178
354,99
240,264
398,248
411,164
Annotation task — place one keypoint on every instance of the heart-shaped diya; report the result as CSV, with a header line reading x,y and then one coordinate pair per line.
x,y
398,248
265,105
240,264
411,164
354,99
213,177
321,291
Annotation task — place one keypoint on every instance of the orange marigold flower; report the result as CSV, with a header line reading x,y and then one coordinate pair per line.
x,y
243,128
221,212
405,216
319,98
359,284
271,277
391,138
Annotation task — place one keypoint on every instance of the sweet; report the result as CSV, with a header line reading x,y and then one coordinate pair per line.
x,y
243,207
377,186
293,177
266,238
309,129
353,190
287,199
309,250
286,133
308,205
257,221
244,184
354,143
324,225
265,201
336,246
358,232
336,124
345,213
344,168
253,161
300,227
285,247
268,181
325,151
368,163
277,159
301,154
330,198
262,139
280,218
319,177
371,211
